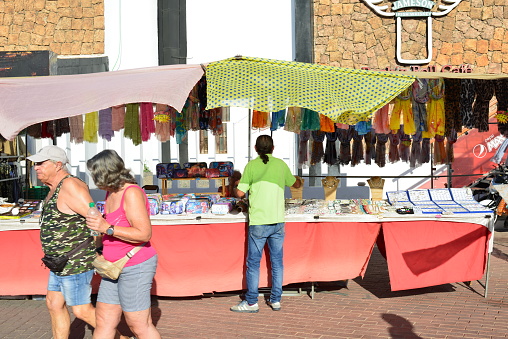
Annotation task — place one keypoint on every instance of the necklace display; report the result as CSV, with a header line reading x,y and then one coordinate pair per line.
x,y
330,185
376,182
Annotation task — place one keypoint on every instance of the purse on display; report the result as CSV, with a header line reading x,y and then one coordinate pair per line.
x,y
113,269
57,263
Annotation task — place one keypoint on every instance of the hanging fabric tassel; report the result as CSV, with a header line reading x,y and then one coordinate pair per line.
x,y
484,92
317,147
370,146
147,124
91,127
61,126
310,120
117,117
76,129
293,120
415,157
451,139
132,129
381,140
381,120
420,98
467,96
439,150
425,150
453,120
344,136
303,153
105,123
404,147
330,157
393,150
357,155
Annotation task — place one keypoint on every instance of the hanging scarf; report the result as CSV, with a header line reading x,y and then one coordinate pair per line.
x,y
370,146
439,150
326,124
425,150
310,120
393,150
293,119
467,95
357,155
132,129
35,130
501,88
381,121
484,92
451,139
303,153
402,105
215,121
278,119
404,147
363,127
330,157
58,127
260,120
161,118
76,129
91,127
453,120
180,131
420,98
105,123
317,147
117,117
192,109
435,109
344,136
147,124
415,158
381,140
44,130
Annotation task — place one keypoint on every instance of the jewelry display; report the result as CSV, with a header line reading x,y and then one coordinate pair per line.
x,y
330,185
376,185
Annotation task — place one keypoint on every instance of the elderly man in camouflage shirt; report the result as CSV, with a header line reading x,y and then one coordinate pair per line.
x,y
63,228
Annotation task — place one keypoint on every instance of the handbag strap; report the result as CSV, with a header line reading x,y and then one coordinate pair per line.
x,y
81,246
135,250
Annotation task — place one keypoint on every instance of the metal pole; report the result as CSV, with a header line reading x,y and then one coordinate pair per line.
x,y
249,135
487,275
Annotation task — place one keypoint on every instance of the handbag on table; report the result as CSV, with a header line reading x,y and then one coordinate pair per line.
x,y
112,269
57,263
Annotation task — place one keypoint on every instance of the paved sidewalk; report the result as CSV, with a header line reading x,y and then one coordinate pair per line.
x,y
364,309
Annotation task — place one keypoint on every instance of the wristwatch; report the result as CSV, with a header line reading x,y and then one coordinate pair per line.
x,y
110,230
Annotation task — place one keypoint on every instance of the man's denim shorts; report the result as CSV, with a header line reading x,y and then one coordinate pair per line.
x,y
75,288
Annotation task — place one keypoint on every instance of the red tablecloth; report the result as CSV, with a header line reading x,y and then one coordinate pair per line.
x,y
204,258
426,253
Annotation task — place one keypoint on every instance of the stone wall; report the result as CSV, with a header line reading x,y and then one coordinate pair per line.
x,y
347,33
66,27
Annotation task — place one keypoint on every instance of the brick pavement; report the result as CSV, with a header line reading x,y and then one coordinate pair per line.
x,y
364,309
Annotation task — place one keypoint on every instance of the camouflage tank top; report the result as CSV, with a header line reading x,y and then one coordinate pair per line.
x,y
61,232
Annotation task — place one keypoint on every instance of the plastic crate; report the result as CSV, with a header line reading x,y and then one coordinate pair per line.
x,y
37,192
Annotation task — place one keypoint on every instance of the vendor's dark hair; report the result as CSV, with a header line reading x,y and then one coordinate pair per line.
x,y
264,146
108,170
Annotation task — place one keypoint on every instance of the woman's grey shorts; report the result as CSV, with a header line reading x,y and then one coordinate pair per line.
x,y
132,289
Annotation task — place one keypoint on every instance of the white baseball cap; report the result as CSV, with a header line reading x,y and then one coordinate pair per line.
x,y
50,153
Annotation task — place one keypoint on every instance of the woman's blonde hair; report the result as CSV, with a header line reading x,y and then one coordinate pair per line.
x,y
108,170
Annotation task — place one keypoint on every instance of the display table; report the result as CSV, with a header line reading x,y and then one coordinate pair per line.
x,y
206,254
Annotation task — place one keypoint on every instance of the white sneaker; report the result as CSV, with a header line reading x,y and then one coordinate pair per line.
x,y
244,307
275,306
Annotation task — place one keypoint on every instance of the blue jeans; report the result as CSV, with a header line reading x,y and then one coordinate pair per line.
x,y
76,288
259,235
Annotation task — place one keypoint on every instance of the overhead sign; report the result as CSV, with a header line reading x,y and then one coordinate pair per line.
x,y
406,9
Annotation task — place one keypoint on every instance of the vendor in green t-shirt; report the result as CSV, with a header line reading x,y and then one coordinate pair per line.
x,y
265,178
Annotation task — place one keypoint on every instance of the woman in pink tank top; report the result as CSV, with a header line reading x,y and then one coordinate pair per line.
x,y
125,225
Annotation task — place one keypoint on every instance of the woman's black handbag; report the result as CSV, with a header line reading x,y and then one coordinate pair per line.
x,y
57,263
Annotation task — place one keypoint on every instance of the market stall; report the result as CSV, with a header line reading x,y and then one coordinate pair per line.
x,y
206,254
